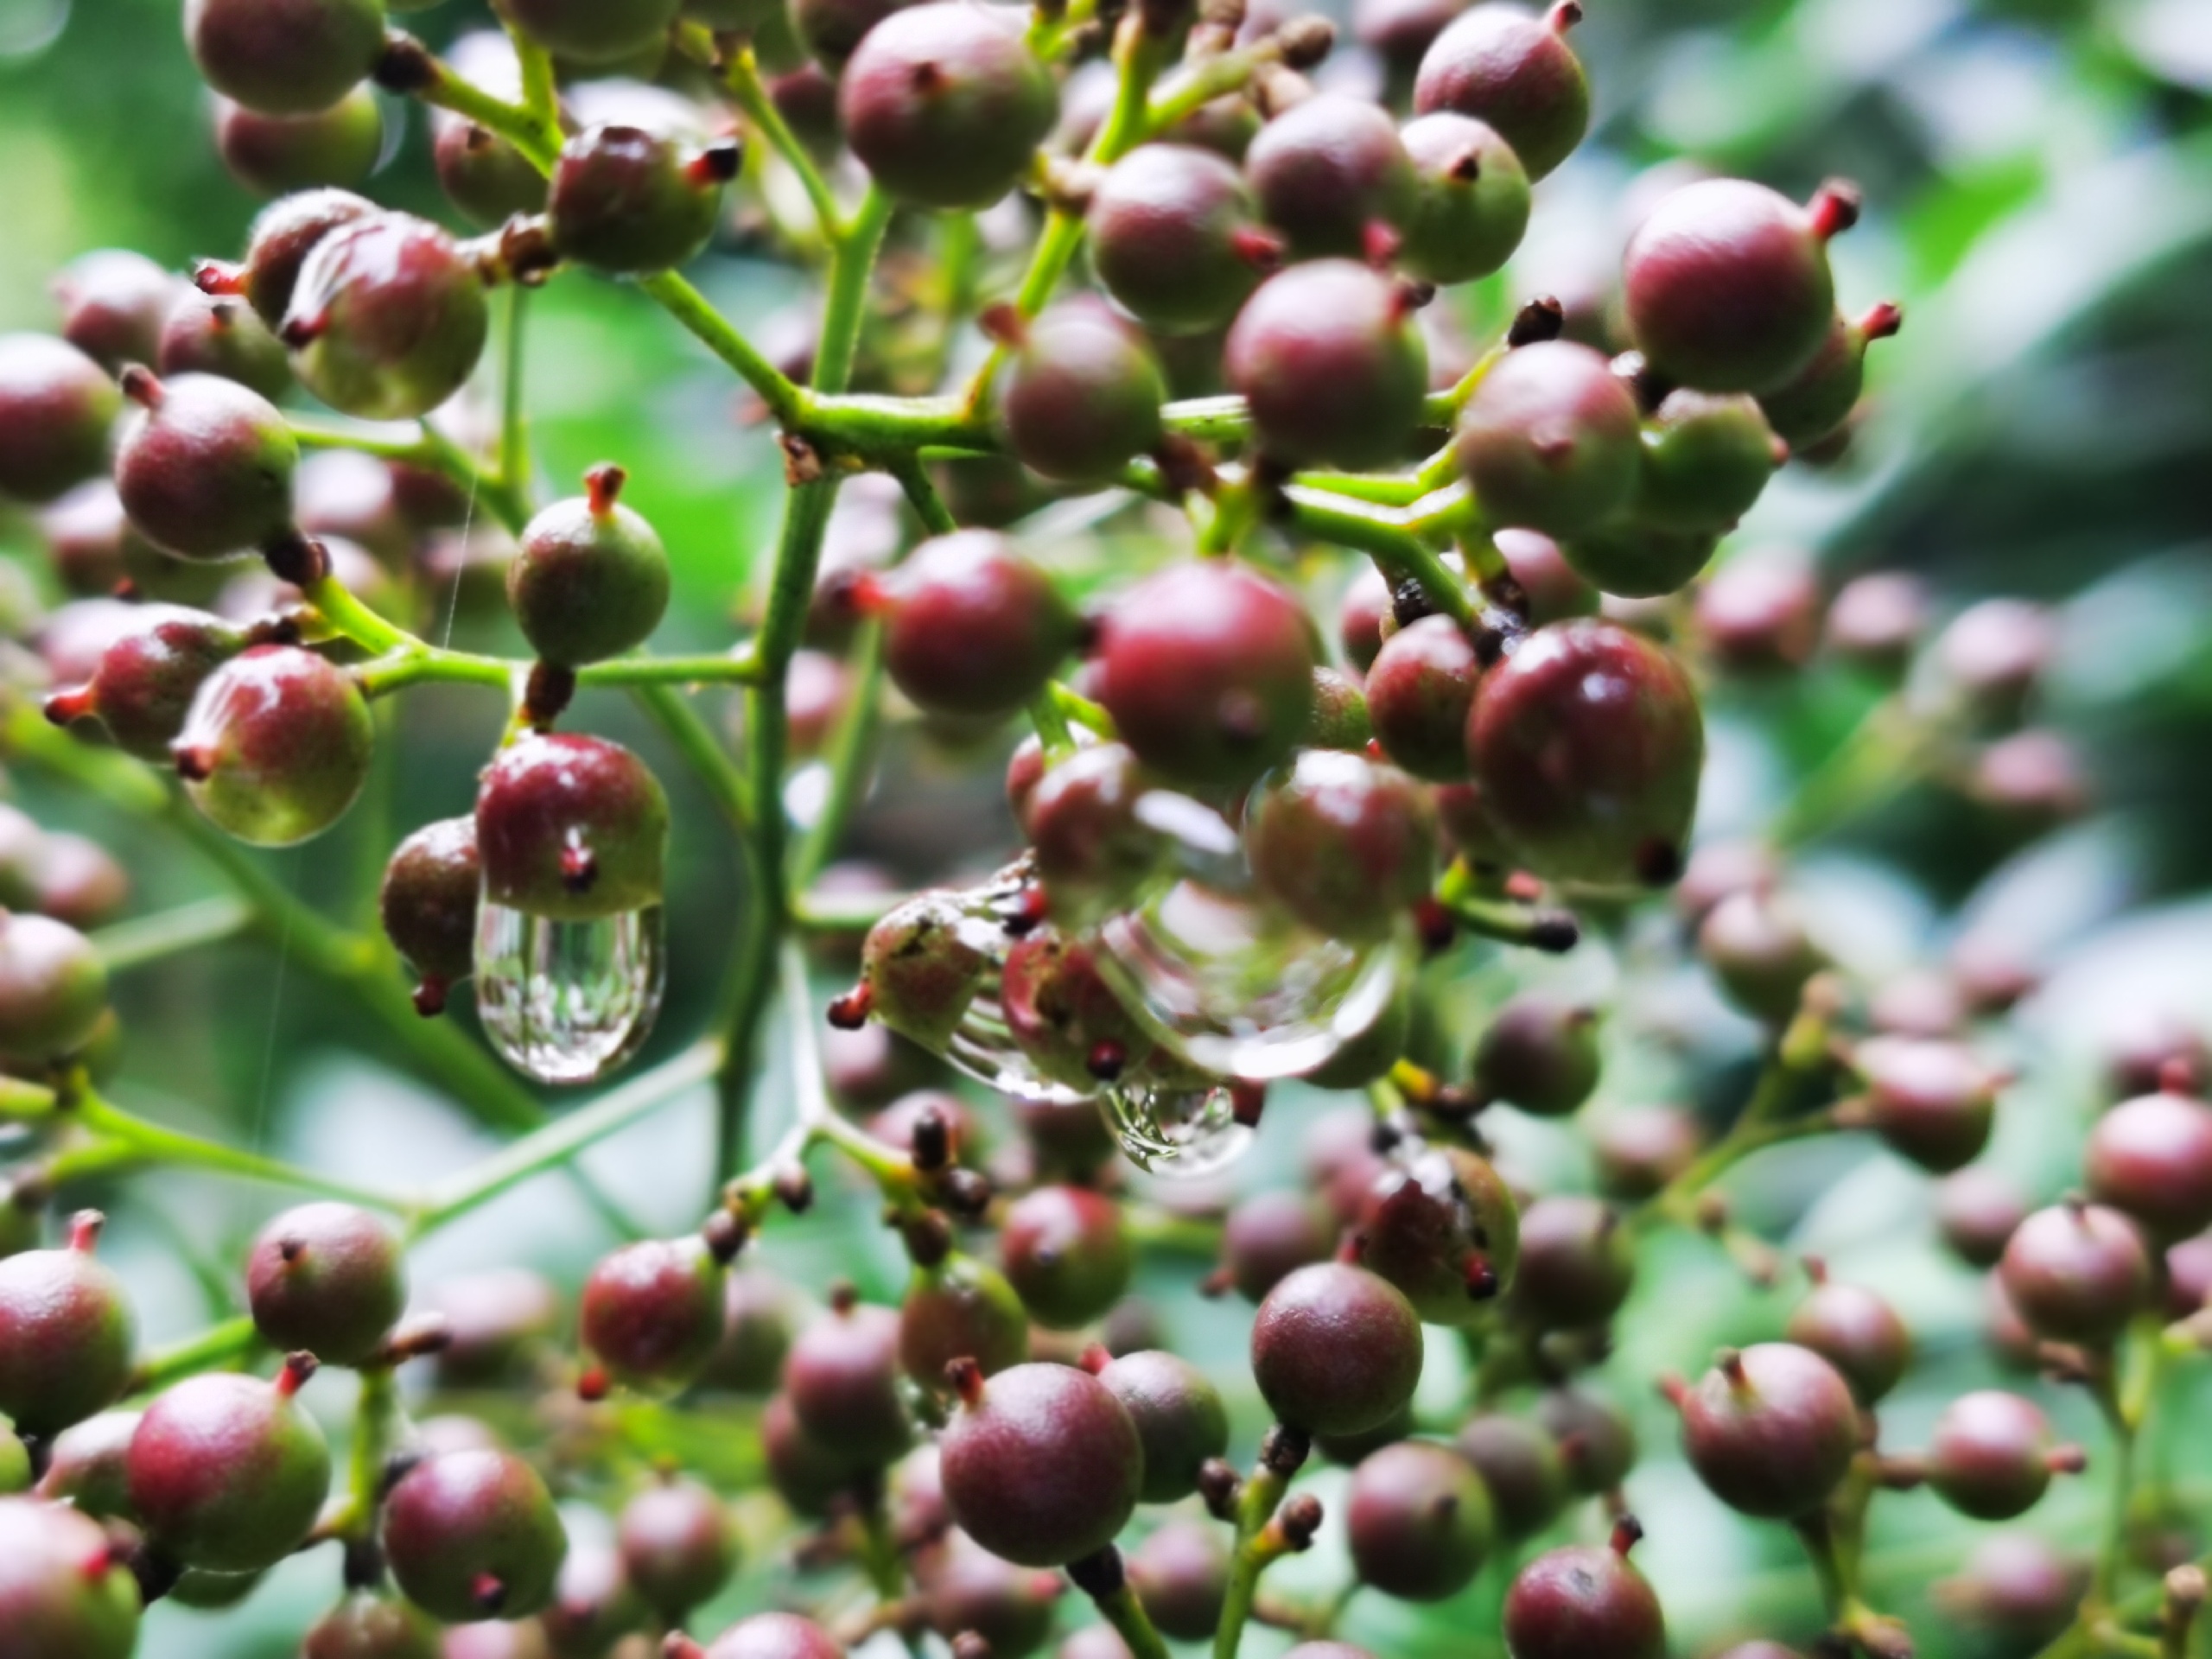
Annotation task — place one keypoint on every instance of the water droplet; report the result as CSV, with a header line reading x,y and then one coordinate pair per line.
x,y
1176,1134
567,1002
984,1043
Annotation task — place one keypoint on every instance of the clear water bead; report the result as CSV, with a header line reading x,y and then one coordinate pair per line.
x,y
1177,1133
566,1002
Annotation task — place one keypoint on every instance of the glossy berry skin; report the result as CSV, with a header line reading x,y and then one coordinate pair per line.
x,y
842,1378
205,467
1180,1574
651,1313
590,580
1444,1229
625,201
1818,401
427,901
329,1278
1207,669
2077,1272
284,234
1082,395
1550,440
1521,1468
291,57
1932,1101
592,31
1180,1418
67,1333
1336,1350
1329,361
1707,460
1539,1054
944,103
1577,1263
1419,689
271,154
1092,851
975,629
1326,171
2151,1157
87,1466
1632,560
1065,1252
1587,744
220,335
1345,845
960,1309
1060,1011
1771,1431
677,1547
474,1535
571,827
276,747
56,406
923,965
1727,287
63,1590
1503,65
1175,238
52,990
1582,1600
775,1636
388,318
1418,1520
1044,1467
1471,204
365,1626
1268,1235
1856,1331
1992,1454
226,1473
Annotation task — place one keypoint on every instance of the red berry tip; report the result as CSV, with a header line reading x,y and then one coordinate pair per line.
x,y
1883,318
195,762
844,1297
2067,1460
218,276
591,1385
298,332
1816,1269
300,1368
1262,250
927,78
141,385
1247,1101
579,868
1628,1533
1106,1060
85,1231
1003,324
715,165
1379,242
849,1012
1835,208
602,484
99,1563
2177,1075
867,595
1026,914
1482,1279
966,1378
1563,17
429,996
1096,1358
489,1593
1523,887
63,707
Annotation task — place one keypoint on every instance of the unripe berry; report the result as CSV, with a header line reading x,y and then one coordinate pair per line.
x,y
921,967
1503,65
1470,207
1180,1418
2077,1272
1550,441
590,579
677,1547
1585,1599
1521,1468
944,103
1418,1520
1992,1455
1444,1229
1336,1350
427,906
2151,1157
220,335
1587,743
1041,1465
1180,1575
55,408
570,827
113,304
1856,1331
64,1588
1419,689
284,234
974,628
757,1307
1331,174
842,1377
329,1278
1772,1430
1817,402
1596,1440
87,1465
1726,284
1207,669
1329,364
651,1313
1539,1054
486,178
226,1473
1345,845
1577,1265
1706,461
272,154
775,1636
1268,1235
832,29
500,1321
1066,1254
276,747
1760,953
1175,238
66,1331
52,991
1082,395
204,466
474,1535
387,318
291,57
960,1309
625,201
366,1626
1933,1101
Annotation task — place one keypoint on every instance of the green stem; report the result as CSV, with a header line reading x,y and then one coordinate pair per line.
x,y
514,427
1255,1506
222,1347
851,751
140,1141
1121,1608
689,307
149,938
427,448
741,79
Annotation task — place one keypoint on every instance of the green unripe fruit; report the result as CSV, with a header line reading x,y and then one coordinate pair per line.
x,y
1082,395
1816,403
52,991
205,465
388,318
1339,718
226,1473
1707,458
220,335
624,200
329,1278
1471,204
1328,359
592,31
271,154
1175,237
1633,560
921,967
276,747
88,1463
1550,440
285,57
366,1626
571,828
64,1588
590,580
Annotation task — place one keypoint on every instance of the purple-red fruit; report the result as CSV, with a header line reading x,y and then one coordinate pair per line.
x,y
1041,1464
473,1535
571,827
427,906
329,1278
1175,237
1418,1520
1470,207
113,303
1595,1438
842,1377
1504,65
1329,364
1067,1020
226,1473
1067,1255
285,57
1419,689
1771,1430
1541,1054
1082,395
1577,1263
1271,1234
921,967
276,747
1930,1099
1180,1418
204,466
222,336
775,1636
807,1475
66,1331
627,200
64,1587
1992,1455
1336,1350
1180,1575
2077,1272
387,318
1345,845
676,1545
1976,1210
283,236
1856,1331
52,990
1760,953
1443,1228
1585,1599
1521,1467
1550,440
2151,1156
967,1588
1331,174
271,154
974,628
1760,615
651,1313
1876,622
368,1626
589,579
960,1309
55,408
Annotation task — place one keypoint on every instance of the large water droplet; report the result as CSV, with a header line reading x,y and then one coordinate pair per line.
x,y
984,1043
1177,1133
567,1002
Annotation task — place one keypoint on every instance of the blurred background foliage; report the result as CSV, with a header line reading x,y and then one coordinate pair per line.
x,y
2039,180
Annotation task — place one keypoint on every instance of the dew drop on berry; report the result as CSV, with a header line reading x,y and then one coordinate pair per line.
x,y
1174,1132
567,1002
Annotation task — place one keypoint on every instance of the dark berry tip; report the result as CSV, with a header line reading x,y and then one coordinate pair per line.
x,y
430,994
141,385
300,1368
1628,1533
579,868
717,164
1554,930
965,1377
1247,1101
1482,1279
849,1012
1003,324
723,1235
296,558
406,66
1564,15
1466,167
489,1593
1542,319
1106,1060
1099,1575
291,1248
301,332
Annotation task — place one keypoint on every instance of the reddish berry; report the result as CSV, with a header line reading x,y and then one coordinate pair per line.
x,y
1760,615
1875,623
284,233
757,1309
2151,1157
272,154
1992,1454
1760,953
1585,1599
651,1313
1330,172
218,335
842,1377
1992,655
960,1309
486,178
1336,1350
1506,66
833,28
113,304
1180,1418
592,31
428,904
775,1636
66,1330
1345,845
1418,1520
1595,1438
2077,1272
1082,395
55,408
1856,1331
1629,560
1065,1252
1577,1264
87,1466
1976,1210
922,965
1470,207
366,1626
1772,1430
1175,239
1093,851
1180,1575
2017,1589
1521,1468
226,1473
944,103
1268,1235
967,1589
388,318
1444,1229
1539,1054
1041,1465
64,1588
1932,1101
1418,691
624,200
52,990
329,1278
1329,364
204,466
807,1475
276,747
590,579
1067,1020
1817,402
1638,1149
1550,440
677,1547
571,827
292,57
474,1535
1400,31
1706,459
975,628
1365,602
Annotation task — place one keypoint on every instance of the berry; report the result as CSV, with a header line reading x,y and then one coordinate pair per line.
x,y
387,318
1816,403
64,1588
272,154
2151,1157
1932,1101
1760,953
1539,1054
1345,845
1585,1599
1632,561
756,1332
486,178
1268,1235
285,57
1418,691
1041,1465
1082,395
1336,1350
218,335
1329,174
1587,743
974,628
55,409
1706,459
807,1475
677,1547
842,1377
1471,205
1550,440
1360,611
922,966
1760,615
474,1535
1092,851
944,103
1180,1575
625,201
1180,1421
592,31
1207,670
52,991
1418,1520
205,465
2077,1272
570,827
1992,1454
1329,364
1856,1331
366,1626
1596,1440
113,304
1503,65
1875,622
87,1464
66,1330
275,746
1772,1430
960,1309
1993,656
2020,1590
1577,1264
1444,1229
1726,284
428,904
1175,238
1976,1210
284,234
590,578
1065,1252
651,1313
775,1636
498,1322
832,29
226,1473
1521,1469
1067,1020
329,1278
966,1588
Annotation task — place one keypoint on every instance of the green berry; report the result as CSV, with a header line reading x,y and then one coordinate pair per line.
x,y
329,1278
590,579
276,747
1706,459
1471,205
226,1473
